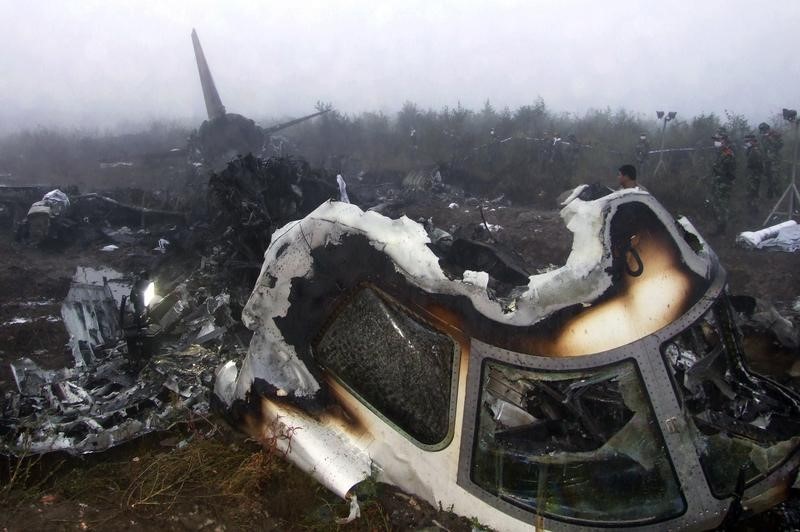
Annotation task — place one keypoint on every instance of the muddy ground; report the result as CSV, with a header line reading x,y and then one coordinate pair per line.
x,y
219,480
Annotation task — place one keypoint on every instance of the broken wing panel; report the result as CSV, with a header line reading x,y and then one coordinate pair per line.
x,y
90,314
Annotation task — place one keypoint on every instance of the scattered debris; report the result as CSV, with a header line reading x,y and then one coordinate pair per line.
x,y
104,401
108,396
355,512
762,316
253,197
123,235
95,207
370,333
47,219
161,247
57,218
90,315
423,179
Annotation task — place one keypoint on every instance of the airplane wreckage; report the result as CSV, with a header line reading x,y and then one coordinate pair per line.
x,y
225,135
609,392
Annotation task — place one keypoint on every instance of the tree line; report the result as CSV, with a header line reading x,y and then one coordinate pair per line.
x,y
529,153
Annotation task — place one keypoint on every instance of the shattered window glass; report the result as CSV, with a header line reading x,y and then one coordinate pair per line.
x,y
578,445
398,364
742,423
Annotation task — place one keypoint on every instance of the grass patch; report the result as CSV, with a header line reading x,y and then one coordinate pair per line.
x,y
220,476
23,479
217,481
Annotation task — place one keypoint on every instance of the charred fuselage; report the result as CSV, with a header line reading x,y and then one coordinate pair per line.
x,y
608,392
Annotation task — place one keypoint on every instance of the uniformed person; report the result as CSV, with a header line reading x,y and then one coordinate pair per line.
x,y
555,158
642,149
724,174
493,147
555,154
755,167
771,144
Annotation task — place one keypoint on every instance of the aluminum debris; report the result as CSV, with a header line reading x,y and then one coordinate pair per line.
x,y
109,397
103,402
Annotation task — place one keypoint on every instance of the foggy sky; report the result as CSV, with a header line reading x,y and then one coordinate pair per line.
x,y
105,63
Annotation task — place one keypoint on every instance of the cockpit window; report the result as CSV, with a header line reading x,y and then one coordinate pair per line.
x,y
398,364
743,424
577,445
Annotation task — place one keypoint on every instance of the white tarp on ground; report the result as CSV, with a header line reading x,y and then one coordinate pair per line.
x,y
781,237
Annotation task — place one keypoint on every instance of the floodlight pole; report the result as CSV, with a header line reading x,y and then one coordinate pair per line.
x,y
666,117
794,154
791,191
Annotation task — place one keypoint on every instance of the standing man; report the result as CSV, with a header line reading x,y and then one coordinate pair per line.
x,y
642,149
626,176
724,172
493,147
556,157
772,144
755,167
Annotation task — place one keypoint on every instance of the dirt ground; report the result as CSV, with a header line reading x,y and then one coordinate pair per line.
x,y
219,481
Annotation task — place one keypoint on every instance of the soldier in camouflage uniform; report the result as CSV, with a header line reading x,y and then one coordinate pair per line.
x,y
642,150
755,167
493,147
723,170
771,143
555,157
555,154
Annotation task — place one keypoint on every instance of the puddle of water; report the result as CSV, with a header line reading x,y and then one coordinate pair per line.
x,y
36,303
22,321
17,321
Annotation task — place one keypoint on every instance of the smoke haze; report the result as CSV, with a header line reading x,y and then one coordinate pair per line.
x,y
105,64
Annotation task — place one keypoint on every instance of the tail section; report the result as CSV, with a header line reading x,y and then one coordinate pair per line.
x,y
213,103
